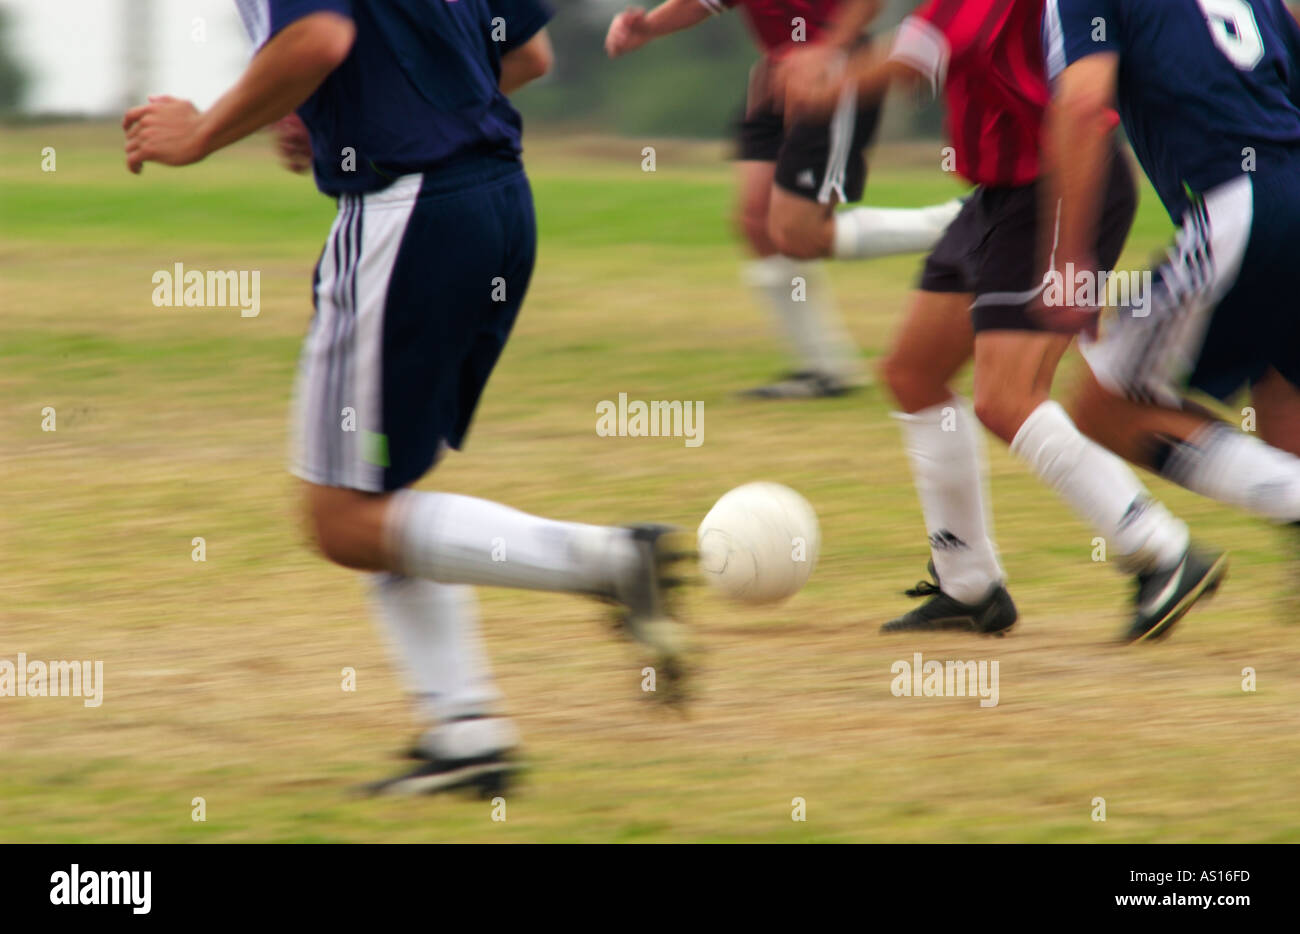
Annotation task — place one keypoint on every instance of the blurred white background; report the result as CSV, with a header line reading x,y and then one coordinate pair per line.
x,y
92,56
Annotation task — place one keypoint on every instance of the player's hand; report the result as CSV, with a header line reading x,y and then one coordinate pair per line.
x,y
810,94
813,65
293,142
627,33
165,130
1054,307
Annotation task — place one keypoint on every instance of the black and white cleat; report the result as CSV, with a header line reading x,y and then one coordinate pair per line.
x,y
1164,597
802,385
993,616
650,600
488,776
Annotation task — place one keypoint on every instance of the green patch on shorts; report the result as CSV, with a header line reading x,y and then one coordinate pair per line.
x,y
375,447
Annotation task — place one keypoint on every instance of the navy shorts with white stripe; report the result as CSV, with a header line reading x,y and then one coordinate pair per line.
x,y
416,292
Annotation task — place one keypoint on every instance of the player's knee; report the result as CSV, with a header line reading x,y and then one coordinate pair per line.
x,y
342,528
911,388
330,537
992,411
795,237
1001,412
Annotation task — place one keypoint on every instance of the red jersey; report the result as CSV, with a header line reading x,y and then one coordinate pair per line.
x,y
987,56
781,23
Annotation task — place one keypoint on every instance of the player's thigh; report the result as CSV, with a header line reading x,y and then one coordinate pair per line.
x,y
934,342
1013,375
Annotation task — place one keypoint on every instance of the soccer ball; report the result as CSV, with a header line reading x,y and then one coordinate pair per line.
x,y
759,543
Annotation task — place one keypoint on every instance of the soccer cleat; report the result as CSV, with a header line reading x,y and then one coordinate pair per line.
x,y
649,598
992,616
1164,597
488,775
806,384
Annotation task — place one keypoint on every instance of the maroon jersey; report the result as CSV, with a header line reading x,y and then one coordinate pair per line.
x,y
781,23
987,57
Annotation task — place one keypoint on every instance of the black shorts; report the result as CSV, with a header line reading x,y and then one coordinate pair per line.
x,y
815,160
991,249
416,292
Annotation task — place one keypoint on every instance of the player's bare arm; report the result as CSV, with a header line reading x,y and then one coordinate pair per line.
x,y
634,27
281,76
526,63
1079,121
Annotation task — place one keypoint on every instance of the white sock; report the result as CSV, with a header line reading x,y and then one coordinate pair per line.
x,y
1138,530
433,633
945,446
806,312
861,233
454,539
1224,464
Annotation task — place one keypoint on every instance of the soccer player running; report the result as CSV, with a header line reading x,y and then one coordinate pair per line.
x,y
976,291
1209,94
792,174
416,290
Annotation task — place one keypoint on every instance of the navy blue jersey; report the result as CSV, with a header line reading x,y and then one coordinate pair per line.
x,y
1206,87
418,91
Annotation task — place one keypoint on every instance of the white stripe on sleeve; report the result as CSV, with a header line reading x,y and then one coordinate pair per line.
x,y
921,45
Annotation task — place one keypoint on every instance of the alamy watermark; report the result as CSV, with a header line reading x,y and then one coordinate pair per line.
x,y
88,887
657,419
1084,288
217,288
919,678
52,679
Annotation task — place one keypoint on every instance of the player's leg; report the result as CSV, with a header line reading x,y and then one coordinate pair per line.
x,y
795,287
1013,381
1210,323
945,446
1276,401
826,165
808,230
1014,366
384,385
949,468
754,193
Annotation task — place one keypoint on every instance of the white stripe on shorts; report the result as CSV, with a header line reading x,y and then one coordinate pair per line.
x,y
1147,358
338,409
841,132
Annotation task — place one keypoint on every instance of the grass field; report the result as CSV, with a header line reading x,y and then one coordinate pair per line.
x,y
222,678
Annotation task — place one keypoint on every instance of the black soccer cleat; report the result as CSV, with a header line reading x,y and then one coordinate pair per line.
x,y
992,616
806,384
650,600
1164,597
487,775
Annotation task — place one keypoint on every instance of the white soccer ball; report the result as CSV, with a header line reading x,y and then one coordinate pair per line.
x,y
759,543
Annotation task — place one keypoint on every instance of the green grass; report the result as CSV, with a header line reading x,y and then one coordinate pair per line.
x,y
222,679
